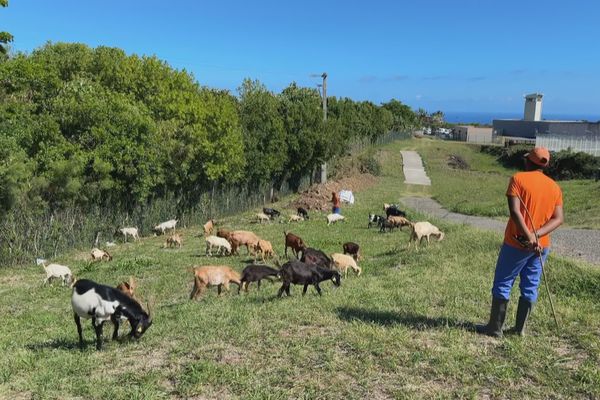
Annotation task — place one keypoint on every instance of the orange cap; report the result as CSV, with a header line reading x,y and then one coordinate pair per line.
x,y
539,156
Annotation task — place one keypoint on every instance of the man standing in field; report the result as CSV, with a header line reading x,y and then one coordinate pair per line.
x,y
535,205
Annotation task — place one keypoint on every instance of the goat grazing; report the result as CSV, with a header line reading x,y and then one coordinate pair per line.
x,y
333,218
398,222
265,248
353,249
223,233
209,226
271,212
219,276
57,271
175,240
298,273
294,242
295,218
256,273
100,255
133,232
222,245
102,303
262,217
165,226
243,238
385,224
302,212
422,230
342,262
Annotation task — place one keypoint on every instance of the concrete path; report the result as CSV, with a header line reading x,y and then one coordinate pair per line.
x,y
414,173
569,242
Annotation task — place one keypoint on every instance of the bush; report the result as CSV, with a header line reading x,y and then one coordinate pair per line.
x,y
367,163
564,164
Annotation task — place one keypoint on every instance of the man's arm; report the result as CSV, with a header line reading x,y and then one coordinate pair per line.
x,y
554,222
514,207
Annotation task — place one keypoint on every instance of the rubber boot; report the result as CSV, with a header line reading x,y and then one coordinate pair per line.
x,y
497,315
523,311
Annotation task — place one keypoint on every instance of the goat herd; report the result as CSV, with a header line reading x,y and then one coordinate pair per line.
x,y
309,266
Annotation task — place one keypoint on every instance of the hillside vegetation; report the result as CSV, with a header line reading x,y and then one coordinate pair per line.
x,y
403,329
95,134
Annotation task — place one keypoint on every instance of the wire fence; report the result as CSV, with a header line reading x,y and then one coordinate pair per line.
x,y
585,143
26,234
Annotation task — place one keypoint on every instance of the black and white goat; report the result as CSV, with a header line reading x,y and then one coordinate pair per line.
x,y
102,303
375,220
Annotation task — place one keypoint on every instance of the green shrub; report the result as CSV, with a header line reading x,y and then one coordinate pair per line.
x,y
564,164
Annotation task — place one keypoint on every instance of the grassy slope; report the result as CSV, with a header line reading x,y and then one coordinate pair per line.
x,y
400,330
480,190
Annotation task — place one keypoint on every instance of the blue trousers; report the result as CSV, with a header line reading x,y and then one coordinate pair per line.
x,y
526,264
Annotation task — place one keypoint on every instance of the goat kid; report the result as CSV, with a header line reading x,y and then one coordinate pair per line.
x,y
213,275
256,273
57,271
102,303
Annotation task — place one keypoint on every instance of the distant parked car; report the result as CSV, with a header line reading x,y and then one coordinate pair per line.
x,y
427,131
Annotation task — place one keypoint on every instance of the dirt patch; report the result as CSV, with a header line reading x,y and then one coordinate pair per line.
x,y
318,197
457,162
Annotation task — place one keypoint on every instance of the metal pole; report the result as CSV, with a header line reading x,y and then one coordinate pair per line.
x,y
324,165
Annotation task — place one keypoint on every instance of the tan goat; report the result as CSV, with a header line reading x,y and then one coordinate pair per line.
x,y
100,255
265,249
213,275
209,227
175,240
342,262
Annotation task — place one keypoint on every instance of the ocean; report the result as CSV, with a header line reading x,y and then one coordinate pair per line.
x,y
487,117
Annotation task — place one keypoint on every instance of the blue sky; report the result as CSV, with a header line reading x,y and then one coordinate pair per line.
x,y
452,55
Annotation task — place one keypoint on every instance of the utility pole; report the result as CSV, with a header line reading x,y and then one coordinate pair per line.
x,y
324,165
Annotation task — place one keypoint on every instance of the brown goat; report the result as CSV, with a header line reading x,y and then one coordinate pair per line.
x,y
294,242
213,275
398,222
128,287
209,227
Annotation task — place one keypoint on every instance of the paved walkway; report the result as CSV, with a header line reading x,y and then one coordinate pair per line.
x,y
414,173
569,242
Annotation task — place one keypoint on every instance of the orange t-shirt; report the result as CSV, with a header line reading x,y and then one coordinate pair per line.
x,y
541,195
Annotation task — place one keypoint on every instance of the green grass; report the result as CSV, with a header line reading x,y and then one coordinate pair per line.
x,y
401,330
481,189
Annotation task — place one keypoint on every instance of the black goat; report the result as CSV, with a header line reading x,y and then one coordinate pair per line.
x,y
102,303
302,212
256,273
299,273
316,257
396,212
271,212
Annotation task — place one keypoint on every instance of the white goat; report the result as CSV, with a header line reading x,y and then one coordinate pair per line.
x,y
342,262
100,255
58,271
162,227
333,218
133,232
295,218
220,243
422,230
262,217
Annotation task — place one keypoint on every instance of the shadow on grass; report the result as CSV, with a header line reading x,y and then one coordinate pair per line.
x,y
62,343
413,321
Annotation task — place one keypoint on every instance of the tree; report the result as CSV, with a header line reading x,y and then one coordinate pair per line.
x,y
403,116
264,134
5,37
